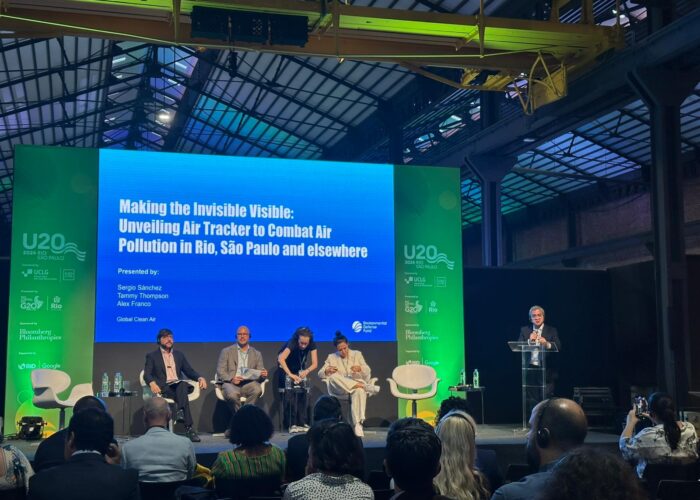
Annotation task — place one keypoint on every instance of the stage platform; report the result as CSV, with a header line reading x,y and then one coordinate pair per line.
x,y
507,440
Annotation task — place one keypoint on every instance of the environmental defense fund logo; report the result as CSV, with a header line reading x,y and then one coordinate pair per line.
x,y
40,243
420,255
367,326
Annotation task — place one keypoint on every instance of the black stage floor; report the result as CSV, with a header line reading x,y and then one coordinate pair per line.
x,y
508,440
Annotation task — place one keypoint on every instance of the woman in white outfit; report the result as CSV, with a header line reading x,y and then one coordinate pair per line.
x,y
348,374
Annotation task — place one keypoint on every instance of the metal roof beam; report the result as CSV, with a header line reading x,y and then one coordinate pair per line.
x,y
331,76
597,142
273,90
581,177
363,33
72,95
193,90
603,88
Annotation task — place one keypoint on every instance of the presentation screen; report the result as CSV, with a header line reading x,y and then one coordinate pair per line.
x,y
110,246
200,244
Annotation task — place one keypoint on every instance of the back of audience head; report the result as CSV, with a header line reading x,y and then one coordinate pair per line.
x,y
91,429
89,402
408,422
156,412
335,450
662,410
591,473
458,477
412,454
250,426
452,403
557,425
327,407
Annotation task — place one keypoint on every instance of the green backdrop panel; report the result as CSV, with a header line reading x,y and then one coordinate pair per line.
x,y
52,275
430,320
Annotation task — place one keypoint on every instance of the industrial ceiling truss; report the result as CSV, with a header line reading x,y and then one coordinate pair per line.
x,y
531,58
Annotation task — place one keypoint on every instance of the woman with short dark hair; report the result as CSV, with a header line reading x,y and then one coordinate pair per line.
x,y
667,441
253,457
336,464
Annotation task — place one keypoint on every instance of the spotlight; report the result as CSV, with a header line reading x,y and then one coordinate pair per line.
x,y
30,428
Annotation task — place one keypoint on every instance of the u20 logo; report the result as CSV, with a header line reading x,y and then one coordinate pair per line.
x,y
54,243
428,253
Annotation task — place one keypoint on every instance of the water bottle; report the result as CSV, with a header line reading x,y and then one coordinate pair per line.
x,y
475,379
463,377
117,382
104,391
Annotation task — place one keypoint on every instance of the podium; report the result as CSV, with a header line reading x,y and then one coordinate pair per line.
x,y
533,377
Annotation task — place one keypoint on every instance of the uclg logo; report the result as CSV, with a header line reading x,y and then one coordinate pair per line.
x,y
40,243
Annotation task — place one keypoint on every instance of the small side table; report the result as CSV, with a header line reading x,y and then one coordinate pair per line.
x,y
467,389
119,406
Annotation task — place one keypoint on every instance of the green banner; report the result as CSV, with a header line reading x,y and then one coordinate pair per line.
x,y
52,276
430,320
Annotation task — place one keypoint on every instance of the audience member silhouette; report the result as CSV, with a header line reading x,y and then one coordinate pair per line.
x,y
326,407
556,426
51,451
86,475
253,457
412,459
458,477
667,441
486,459
336,464
587,473
159,455
15,472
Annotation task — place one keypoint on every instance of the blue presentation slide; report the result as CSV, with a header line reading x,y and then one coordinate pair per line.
x,y
201,244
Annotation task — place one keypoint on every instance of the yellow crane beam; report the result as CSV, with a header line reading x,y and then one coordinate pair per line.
x,y
520,55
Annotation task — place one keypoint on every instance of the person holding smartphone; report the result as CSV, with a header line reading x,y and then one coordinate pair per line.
x,y
669,440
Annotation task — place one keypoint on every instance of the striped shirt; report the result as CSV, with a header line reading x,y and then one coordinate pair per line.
x,y
235,464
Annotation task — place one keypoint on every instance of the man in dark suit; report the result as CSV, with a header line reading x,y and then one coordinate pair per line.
x,y
51,451
232,371
547,337
86,475
164,375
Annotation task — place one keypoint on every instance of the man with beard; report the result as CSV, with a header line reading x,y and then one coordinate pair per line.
x,y
164,372
556,426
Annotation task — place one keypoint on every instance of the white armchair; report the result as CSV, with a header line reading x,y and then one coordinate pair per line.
x,y
47,384
414,377
147,393
220,393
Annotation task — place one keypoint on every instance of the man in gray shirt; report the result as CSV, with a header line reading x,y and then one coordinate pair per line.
x,y
159,455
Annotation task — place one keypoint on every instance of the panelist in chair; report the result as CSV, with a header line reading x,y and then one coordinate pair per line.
x,y
234,369
163,374
348,375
